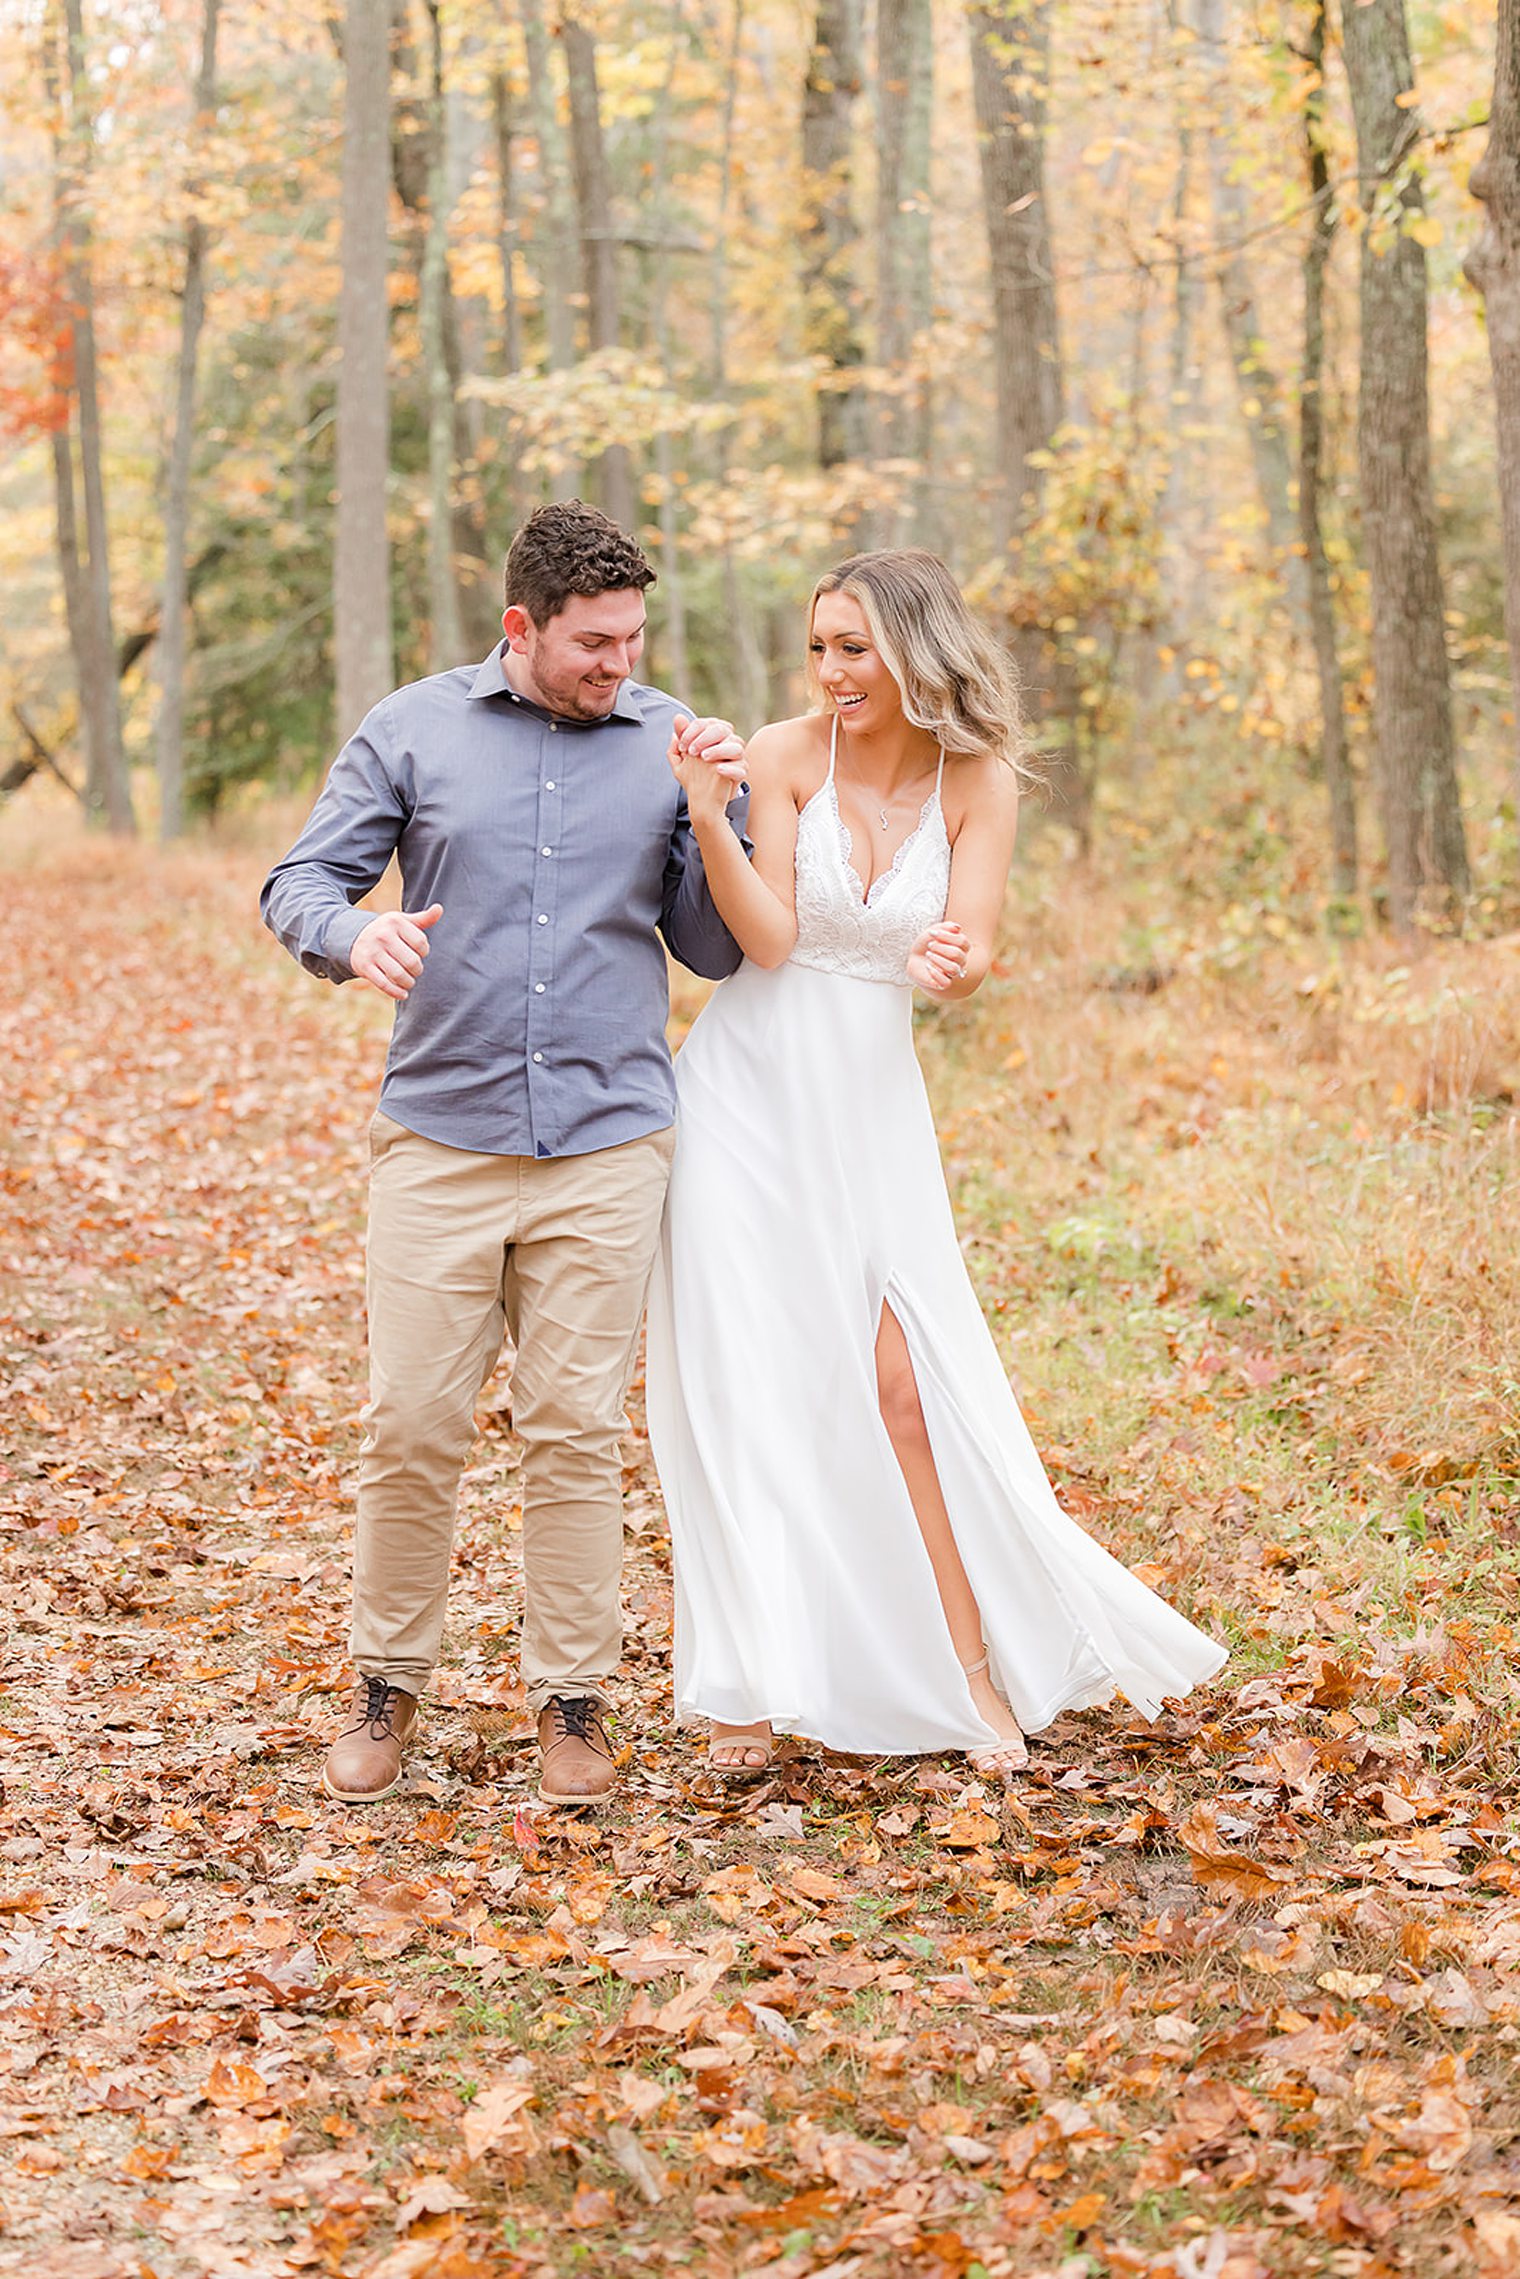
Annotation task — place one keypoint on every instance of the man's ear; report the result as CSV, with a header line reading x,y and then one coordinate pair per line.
x,y
515,623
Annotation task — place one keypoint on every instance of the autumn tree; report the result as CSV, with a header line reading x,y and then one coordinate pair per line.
x,y
1334,756
1010,68
172,630
447,643
750,680
1010,62
904,289
361,559
84,556
1412,723
599,241
556,261
830,285
1494,268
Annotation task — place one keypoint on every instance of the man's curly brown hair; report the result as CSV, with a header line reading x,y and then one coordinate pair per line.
x,y
570,548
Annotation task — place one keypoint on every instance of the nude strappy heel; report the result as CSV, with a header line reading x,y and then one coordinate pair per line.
x,y
752,1744
1002,1758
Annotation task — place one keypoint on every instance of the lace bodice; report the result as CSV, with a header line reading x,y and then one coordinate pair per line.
x,y
840,928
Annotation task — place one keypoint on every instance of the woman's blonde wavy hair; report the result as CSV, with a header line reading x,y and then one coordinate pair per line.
x,y
958,683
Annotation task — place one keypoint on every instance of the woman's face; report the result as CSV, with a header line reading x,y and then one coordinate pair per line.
x,y
851,670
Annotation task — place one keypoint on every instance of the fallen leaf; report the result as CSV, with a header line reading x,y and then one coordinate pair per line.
x,y
487,2119
1217,1866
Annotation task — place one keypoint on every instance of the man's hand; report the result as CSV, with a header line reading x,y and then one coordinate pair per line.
x,y
707,759
389,952
717,742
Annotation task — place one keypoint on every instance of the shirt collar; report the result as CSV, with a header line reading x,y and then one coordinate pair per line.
x,y
491,680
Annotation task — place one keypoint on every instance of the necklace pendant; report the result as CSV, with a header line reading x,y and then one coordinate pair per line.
x,y
885,824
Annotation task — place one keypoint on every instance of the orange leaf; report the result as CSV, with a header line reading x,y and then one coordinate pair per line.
x,y
233,2086
591,2209
1081,2215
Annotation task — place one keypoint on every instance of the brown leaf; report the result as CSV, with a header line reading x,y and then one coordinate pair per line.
x,y
591,2209
1441,2131
967,1832
639,2164
434,2196
1217,1866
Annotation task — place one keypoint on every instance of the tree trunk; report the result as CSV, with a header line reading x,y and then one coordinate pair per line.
x,y
1255,382
1334,757
672,587
361,560
554,240
1010,72
1494,268
751,676
1411,712
599,252
1186,508
87,572
904,285
174,618
1010,77
446,632
505,126
831,326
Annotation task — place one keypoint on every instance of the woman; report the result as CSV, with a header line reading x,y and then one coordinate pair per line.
x,y
867,1549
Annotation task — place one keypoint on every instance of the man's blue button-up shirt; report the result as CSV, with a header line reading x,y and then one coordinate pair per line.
x,y
537,1025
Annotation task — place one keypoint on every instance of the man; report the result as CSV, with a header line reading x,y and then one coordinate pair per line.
x,y
521,1150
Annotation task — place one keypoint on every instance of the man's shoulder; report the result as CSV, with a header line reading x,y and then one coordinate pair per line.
x,y
431,692
649,703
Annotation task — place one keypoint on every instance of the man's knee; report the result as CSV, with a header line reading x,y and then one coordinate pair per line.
x,y
588,1453
408,1429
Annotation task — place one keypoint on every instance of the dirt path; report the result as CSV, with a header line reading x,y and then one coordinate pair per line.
x,y
1229,1997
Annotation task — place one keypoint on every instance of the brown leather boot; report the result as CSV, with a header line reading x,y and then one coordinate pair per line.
x,y
364,1762
575,1756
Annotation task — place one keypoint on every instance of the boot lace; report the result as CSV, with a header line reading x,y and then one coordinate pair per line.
x,y
576,1718
379,1701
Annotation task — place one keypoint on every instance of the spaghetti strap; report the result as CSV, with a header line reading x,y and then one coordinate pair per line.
x,y
833,746
939,779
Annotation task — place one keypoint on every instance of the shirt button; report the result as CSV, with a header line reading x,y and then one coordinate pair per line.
x,y
546,850
548,787
538,989
554,727
538,1056
543,921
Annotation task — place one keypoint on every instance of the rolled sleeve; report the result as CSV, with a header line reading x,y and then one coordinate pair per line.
x,y
309,897
694,933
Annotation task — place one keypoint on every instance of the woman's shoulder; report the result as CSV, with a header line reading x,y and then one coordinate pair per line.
x,y
789,751
982,789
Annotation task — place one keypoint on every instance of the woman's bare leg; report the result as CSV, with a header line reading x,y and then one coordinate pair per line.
x,y
902,1413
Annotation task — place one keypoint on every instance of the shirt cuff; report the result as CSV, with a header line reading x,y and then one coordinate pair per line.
x,y
342,933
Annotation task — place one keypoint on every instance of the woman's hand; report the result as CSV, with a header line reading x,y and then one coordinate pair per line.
x,y
707,760
937,960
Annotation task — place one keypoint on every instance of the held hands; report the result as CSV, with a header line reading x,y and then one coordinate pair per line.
x,y
388,954
707,760
938,958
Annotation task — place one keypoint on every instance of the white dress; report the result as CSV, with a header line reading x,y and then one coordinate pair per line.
x,y
807,1194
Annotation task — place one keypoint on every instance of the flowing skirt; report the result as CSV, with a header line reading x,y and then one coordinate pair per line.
x,y
807,1195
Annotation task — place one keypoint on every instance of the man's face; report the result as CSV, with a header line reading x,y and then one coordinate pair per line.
x,y
575,665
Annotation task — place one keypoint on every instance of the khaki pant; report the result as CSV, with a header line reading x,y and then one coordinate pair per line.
x,y
461,1246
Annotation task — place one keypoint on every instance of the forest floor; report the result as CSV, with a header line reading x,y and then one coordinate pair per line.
x,y
1233,1996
